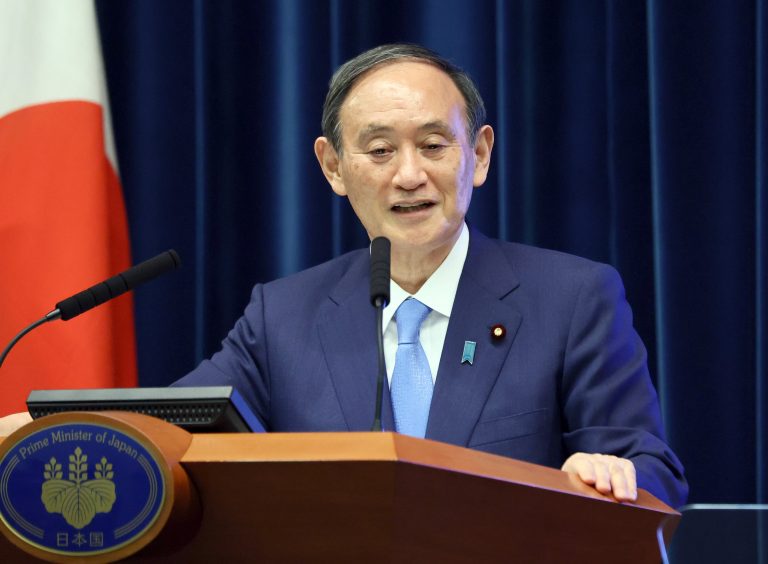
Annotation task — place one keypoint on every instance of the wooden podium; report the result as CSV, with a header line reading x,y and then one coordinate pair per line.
x,y
375,497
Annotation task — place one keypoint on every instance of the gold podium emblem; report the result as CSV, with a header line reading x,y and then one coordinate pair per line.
x,y
78,499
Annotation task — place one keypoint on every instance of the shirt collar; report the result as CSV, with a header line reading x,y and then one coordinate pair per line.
x,y
439,291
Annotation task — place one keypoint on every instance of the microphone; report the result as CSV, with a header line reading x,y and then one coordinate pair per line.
x,y
117,285
380,253
380,266
103,292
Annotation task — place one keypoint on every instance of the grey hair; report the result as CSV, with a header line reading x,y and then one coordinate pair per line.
x,y
350,72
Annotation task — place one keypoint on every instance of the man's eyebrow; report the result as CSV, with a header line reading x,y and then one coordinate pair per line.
x,y
371,130
439,126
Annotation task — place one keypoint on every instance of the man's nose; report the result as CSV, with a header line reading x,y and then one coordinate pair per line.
x,y
410,170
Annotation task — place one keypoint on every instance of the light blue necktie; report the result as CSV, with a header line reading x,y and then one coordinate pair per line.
x,y
411,379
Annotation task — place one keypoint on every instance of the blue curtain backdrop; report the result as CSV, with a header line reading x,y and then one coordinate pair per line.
x,y
629,132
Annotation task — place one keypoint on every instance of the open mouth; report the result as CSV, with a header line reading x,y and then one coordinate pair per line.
x,y
411,208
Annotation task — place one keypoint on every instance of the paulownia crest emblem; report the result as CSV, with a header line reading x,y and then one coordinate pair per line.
x,y
78,499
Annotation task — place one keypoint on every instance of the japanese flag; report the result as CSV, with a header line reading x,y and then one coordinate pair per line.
x,y
63,224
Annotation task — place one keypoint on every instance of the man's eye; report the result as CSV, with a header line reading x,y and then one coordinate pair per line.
x,y
379,152
434,147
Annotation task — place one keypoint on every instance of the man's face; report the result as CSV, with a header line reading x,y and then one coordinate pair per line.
x,y
406,164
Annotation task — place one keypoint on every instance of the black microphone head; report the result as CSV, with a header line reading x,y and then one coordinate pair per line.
x,y
151,268
380,259
118,284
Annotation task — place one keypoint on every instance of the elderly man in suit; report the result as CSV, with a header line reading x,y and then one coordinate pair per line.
x,y
557,376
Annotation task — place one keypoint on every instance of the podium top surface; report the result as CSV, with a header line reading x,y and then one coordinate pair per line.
x,y
393,447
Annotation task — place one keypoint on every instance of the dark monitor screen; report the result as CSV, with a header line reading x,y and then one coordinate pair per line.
x,y
209,409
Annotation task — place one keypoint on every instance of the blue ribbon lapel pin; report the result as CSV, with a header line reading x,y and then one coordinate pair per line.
x,y
468,356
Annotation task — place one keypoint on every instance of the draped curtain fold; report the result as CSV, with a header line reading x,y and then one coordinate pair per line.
x,y
632,133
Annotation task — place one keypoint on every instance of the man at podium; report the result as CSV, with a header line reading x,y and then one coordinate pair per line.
x,y
494,346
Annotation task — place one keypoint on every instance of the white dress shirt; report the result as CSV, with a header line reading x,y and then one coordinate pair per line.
x,y
438,293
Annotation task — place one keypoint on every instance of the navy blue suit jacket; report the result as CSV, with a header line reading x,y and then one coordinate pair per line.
x,y
570,375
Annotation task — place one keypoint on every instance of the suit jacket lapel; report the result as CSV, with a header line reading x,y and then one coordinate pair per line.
x,y
347,331
461,390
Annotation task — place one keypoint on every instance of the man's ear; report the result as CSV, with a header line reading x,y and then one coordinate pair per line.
x,y
330,164
483,148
